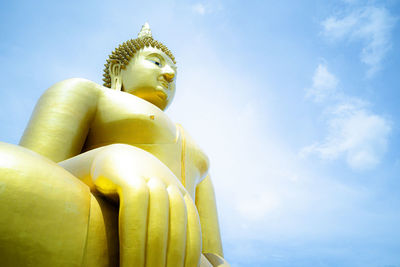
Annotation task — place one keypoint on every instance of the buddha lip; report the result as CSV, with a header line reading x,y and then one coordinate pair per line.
x,y
162,95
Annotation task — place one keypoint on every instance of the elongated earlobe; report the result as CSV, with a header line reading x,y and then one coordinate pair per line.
x,y
115,74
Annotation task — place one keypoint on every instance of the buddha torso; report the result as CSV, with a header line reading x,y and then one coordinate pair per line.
x,y
124,118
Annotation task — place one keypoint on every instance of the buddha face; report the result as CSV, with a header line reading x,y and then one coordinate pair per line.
x,y
150,75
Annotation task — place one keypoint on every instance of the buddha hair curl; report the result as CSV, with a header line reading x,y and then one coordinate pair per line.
x,y
125,51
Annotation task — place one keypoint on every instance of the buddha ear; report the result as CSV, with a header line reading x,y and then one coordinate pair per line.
x,y
115,75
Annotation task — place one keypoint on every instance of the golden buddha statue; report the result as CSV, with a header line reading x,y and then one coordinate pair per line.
x,y
102,177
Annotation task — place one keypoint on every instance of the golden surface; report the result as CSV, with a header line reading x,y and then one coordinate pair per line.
x,y
131,188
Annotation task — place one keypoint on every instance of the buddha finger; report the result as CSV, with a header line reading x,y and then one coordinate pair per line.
x,y
134,201
193,235
157,225
177,228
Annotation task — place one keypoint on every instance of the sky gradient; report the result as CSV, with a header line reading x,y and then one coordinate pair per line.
x,y
295,102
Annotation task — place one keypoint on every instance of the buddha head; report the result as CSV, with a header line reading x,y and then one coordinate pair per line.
x,y
142,67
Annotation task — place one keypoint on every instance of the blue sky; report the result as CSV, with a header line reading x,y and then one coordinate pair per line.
x,y
295,102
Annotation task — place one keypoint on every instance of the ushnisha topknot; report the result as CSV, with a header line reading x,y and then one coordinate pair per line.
x,y
125,51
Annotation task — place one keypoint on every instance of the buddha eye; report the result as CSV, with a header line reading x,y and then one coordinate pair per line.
x,y
155,62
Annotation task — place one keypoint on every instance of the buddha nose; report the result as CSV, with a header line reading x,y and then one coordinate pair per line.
x,y
168,73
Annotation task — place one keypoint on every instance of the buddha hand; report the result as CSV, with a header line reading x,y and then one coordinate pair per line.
x,y
158,220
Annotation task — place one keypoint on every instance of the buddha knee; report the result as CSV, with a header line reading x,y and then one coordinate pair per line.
x,y
132,158
128,162
43,202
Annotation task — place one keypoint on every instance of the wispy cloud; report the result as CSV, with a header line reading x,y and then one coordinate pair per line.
x,y
354,132
324,84
351,1
372,25
199,8
207,7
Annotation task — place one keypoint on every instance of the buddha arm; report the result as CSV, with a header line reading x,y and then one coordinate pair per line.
x,y
207,208
61,119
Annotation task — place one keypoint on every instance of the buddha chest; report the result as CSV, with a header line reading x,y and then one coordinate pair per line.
x,y
124,118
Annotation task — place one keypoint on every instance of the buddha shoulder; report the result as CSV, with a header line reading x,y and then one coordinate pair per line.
x,y
76,95
78,89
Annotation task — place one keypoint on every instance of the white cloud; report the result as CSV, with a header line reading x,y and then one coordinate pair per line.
x,y
372,25
324,84
354,132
